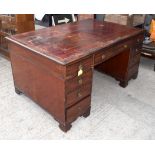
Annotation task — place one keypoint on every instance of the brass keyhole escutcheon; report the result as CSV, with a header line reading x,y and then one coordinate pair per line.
x,y
138,40
80,72
79,108
125,46
80,81
79,94
103,56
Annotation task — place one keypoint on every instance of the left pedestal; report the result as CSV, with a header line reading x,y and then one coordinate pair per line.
x,y
62,90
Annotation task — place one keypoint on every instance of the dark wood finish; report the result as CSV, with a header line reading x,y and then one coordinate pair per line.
x,y
65,127
87,113
54,66
78,109
13,24
71,70
73,83
78,94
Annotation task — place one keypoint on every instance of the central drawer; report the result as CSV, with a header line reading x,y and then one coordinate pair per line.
x,y
103,55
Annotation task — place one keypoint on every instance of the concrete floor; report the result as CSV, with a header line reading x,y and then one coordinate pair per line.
x,y
116,113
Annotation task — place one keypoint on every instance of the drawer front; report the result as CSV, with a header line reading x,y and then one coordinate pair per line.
x,y
102,56
134,59
133,70
123,46
78,81
137,45
139,39
78,94
135,50
112,51
77,110
83,65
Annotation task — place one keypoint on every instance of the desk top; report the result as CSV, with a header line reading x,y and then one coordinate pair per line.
x,y
70,42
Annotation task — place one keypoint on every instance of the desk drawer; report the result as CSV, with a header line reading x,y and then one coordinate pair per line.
x,y
78,94
134,59
136,50
77,81
84,65
77,110
102,56
139,39
137,45
119,47
112,51
133,70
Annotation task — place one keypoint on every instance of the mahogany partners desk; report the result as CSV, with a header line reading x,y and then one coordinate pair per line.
x,y
54,66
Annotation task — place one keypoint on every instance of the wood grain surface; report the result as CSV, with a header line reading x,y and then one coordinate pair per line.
x,y
70,42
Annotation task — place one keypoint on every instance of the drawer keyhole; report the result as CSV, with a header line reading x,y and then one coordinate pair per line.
x,y
80,81
103,56
125,46
79,108
79,95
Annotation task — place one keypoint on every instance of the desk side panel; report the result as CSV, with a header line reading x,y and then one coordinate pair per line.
x,y
40,79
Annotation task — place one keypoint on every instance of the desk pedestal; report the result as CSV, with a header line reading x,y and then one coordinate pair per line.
x,y
122,67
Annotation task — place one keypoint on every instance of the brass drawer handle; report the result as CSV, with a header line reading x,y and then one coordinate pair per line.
x,y
80,72
80,81
125,46
79,94
79,108
103,56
